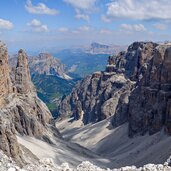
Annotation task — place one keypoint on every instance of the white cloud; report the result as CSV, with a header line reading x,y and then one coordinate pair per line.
x,y
35,23
81,4
37,26
105,31
63,29
160,26
40,8
84,28
105,19
133,27
80,15
139,9
5,24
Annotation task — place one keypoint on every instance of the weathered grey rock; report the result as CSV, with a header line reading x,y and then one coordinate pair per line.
x,y
22,74
46,64
133,62
8,140
150,102
5,82
96,97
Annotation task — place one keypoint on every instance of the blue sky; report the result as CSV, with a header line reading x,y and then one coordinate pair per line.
x,y
38,25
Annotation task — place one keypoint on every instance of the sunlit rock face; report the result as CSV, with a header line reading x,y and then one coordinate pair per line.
x,y
5,82
21,111
22,74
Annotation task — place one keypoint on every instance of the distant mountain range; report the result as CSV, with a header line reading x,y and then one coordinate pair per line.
x,y
84,60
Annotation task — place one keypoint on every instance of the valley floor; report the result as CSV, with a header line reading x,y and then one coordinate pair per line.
x,y
115,145
62,151
101,145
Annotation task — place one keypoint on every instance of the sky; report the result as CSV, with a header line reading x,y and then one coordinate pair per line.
x,y
38,25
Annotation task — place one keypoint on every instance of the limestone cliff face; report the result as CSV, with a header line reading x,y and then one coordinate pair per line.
x,y
5,82
133,62
150,102
96,97
20,109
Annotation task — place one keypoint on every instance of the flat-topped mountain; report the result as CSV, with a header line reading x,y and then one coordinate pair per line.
x,y
97,48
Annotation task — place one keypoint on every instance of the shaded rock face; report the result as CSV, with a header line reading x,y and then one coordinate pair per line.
x,y
150,102
21,111
105,94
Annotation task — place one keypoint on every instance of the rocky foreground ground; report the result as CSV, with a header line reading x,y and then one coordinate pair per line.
x,y
7,164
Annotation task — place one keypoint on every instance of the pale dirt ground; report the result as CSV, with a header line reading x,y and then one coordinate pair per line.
x,y
101,145
115,144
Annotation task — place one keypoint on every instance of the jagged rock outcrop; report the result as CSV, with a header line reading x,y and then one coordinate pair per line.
x,y
5,82
21,111
134,61
23,82
104,94
150,102
96,97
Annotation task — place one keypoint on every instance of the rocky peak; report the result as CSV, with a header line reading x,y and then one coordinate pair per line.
x,y
22,74
111,65
48,65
